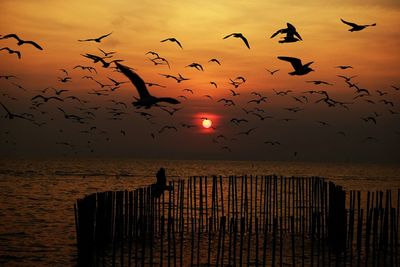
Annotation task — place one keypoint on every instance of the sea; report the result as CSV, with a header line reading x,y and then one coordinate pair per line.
x,y
37,196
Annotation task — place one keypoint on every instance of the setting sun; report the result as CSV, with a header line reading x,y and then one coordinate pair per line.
x,y
207,123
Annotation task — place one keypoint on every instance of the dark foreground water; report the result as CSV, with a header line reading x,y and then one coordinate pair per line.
x,y
37,196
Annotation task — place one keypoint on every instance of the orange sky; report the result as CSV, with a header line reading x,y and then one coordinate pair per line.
x,y
200,26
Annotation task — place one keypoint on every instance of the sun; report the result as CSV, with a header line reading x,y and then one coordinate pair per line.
x,y
207,123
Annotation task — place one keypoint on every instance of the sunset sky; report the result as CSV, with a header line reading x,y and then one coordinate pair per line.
x,y
138,26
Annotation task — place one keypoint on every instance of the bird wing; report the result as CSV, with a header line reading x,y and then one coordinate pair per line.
x,y
349,23
105,35
12,35
290,27
276,33
178,43
34,44
135,79
228,36
245,41
296,63
38,96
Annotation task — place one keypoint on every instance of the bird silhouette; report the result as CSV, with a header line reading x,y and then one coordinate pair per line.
x,y
247,132
215,84
291,34
11,115
106,54
355,27
239,35
196,66
272,72
299,68
45,99
8,77
145,98
98,39
172,40
10,51
344,67
215,60
318,82
20,41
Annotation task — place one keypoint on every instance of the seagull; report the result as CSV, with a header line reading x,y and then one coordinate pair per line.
x,y
8,76
239,35
215,60
299,68
98,39
172,40
196,65
11,116
214,83
356,27
291,34
344,67
97,59
10,51
145,100
317,82
106,54
20,41
45,99
247,132
272,72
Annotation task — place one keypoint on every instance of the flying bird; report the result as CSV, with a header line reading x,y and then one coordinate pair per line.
x,y
299,68
291,34
272,72
172,40
344,67
10,51
196,65
355,27
45,99
215,60
20,41
11,116
106,54
317,82
145,99
239,35
98,39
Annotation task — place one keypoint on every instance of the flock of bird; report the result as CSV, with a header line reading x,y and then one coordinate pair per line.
x,y
253,112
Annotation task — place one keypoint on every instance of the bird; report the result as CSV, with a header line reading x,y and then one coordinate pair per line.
x,y
238,121
11,116
239,35
196,65
20,41
116,83
10,51
299,68
65,79
215,84
291,34
215,60
171,112
233,92
272,72
247,132
366,119
317,82
188,90
45,99
166,128
272,143
154,84
97,59
172,40
355,27
344,67
8,77
145,98
98,39
106,54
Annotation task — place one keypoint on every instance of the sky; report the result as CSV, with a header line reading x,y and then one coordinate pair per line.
x,y
317,132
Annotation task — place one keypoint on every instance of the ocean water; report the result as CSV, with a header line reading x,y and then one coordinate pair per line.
x,y
37,196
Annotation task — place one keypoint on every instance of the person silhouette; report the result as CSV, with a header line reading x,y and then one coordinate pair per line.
x,y
160,186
